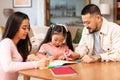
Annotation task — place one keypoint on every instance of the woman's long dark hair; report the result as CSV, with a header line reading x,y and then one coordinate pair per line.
x,y
12,26
55,29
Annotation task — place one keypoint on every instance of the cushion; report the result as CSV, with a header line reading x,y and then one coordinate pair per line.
x,y
36,41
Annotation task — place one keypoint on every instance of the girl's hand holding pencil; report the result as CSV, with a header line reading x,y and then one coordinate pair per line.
x,y
61,57
49,55
73,56
66,54
70,56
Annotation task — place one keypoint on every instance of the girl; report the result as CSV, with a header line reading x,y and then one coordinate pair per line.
x,y
57,43
15,47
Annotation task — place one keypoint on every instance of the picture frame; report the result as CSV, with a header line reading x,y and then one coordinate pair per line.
x,y
22,3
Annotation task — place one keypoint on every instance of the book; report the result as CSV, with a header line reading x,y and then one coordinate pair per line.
x,y
63,71
60,62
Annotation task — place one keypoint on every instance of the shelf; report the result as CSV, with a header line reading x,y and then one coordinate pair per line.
x,y
66,11
65,16
63,13
61,9
117,21
118,4
117,11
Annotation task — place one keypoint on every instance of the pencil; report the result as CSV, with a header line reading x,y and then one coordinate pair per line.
x,y
48,53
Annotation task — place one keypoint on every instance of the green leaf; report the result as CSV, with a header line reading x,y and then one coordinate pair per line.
x,y
77,36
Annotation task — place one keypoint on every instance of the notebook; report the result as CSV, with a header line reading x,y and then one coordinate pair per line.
x,y
63,71
60,62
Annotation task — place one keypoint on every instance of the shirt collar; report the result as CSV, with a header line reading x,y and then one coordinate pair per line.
x,y
104,27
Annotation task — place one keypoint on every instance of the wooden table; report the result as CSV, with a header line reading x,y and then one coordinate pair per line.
x,y
86,71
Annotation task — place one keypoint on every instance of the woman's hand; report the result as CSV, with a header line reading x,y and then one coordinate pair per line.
x,y
32,57
51,58
44,62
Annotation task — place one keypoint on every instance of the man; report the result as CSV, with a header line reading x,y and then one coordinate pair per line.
x,y
100,38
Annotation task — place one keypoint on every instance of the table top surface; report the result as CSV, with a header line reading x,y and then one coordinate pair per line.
x,y
85,71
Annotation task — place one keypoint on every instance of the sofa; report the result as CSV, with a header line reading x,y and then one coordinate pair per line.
x,y
38,33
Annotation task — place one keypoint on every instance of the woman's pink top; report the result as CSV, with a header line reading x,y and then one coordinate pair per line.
x,y
55,51
11,61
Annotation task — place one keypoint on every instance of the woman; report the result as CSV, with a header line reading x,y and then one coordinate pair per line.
x,y
15,47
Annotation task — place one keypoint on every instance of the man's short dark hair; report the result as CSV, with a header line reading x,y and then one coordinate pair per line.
x,y
90,9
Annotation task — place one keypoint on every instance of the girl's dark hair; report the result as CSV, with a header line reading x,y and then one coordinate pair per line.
x,y
11,28
55,29
90,9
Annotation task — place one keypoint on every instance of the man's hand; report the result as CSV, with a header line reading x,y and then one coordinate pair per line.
x,y
92,58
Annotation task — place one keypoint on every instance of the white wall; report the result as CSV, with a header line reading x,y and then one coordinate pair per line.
x,y
31,12
111,3
4,4
35,13
40,12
